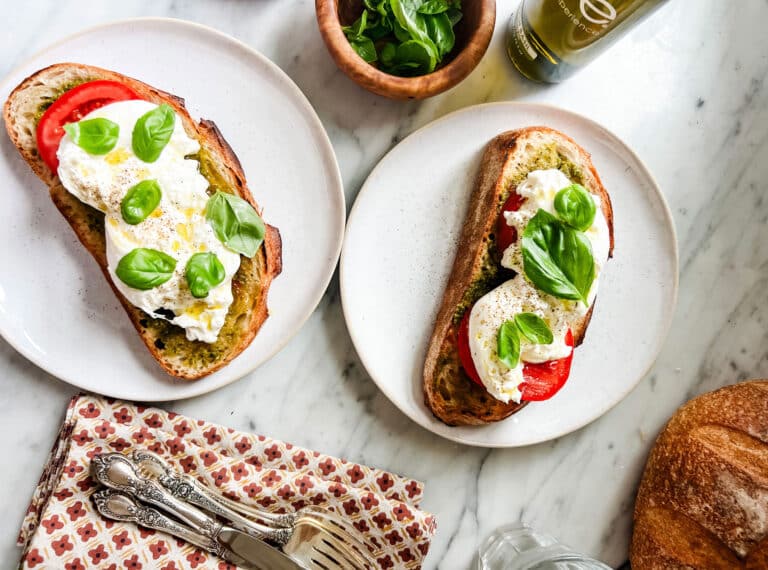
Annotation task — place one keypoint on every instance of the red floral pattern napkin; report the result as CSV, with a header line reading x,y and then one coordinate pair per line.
x,y
62,528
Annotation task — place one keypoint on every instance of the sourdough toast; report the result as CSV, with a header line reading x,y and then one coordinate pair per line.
x,y
448,392
166,342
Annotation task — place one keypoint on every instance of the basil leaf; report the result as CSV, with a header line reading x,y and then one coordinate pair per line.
x,y
144,268
95,136
407,14
440,30
388,53
575,206
415,56
508,344
364,48
204,271
455,16
557,259
140,201
533,328
235,223
434,7
152,132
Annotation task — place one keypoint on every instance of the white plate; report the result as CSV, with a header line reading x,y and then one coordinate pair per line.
x,y
401,241
55,306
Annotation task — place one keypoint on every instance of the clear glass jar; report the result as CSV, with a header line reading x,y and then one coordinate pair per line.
x,y
519,547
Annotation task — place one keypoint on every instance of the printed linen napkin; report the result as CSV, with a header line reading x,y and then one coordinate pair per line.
x,y
63,529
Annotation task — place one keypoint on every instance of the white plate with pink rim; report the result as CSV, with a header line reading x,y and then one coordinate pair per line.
x,y
55,306
400,245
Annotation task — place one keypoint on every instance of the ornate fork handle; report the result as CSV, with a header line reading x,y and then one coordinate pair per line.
x,y
116,471
119,506
187,489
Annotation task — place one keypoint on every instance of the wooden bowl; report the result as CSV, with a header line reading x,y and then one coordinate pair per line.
x,y
473,34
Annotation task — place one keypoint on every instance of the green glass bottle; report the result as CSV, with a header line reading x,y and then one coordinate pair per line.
x,y
549,40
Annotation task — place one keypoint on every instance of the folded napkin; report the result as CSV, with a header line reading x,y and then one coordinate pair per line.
x,y
63,529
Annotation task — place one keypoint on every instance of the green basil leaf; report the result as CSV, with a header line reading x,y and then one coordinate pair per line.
x,y
508,344
144,268
415,56
95,136
441,31
401,34
407,14
364,48
140,201
533,328
204,271
388,53
152,132
434,7
575,206
557,259
235,223
454,15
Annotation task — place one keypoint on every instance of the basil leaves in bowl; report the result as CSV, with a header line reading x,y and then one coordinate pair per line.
x,y
407,49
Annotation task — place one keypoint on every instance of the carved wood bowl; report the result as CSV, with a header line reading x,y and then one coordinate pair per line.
x,y
473,34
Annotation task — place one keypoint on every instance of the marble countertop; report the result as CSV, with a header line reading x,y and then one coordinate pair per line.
x,y
686,90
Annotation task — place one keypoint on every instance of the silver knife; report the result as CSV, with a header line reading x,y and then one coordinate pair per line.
x,y
117,472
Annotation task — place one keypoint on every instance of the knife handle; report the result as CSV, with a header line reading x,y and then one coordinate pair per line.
x,y
118,472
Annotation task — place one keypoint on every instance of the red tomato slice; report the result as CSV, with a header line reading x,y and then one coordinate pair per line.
x,y
71,107
541,380
506,234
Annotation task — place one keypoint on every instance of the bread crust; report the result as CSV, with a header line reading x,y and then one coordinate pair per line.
x,y
702,499
448,392
251,282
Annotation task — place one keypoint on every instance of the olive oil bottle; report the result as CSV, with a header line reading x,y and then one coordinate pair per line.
x,y
549,40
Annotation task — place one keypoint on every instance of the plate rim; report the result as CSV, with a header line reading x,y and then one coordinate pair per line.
x,y
330,159
661,339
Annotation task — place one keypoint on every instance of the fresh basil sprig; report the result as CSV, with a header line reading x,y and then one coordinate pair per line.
x,y
143,268
140,201
405,37
557,259
94,136
528,326
204,271
575,206
235,223
152,132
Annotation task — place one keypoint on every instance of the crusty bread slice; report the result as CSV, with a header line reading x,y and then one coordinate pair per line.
x,y
178,356
508,158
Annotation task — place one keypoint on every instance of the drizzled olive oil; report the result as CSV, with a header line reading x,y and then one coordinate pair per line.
x,y
549,40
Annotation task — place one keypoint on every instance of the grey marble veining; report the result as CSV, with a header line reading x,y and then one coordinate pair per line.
x,y
686,91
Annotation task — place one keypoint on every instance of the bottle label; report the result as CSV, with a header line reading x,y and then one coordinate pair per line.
x,y
593,15
520,37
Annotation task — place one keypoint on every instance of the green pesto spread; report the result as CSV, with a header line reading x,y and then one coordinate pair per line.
x,y
492,274
48,100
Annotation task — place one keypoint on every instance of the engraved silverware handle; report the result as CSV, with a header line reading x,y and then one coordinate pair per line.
x,y
119,506
187,489
118,472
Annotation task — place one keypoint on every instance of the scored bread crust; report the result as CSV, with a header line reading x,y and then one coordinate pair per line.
x,y
188,360
448,392
703,499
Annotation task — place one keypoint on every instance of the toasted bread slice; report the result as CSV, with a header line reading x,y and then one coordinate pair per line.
x,y
167,343
508,158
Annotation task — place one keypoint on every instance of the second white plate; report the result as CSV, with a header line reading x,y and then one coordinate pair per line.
x,y
400,244
55,306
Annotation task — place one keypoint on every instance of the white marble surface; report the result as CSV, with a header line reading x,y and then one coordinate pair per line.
x,y
686,90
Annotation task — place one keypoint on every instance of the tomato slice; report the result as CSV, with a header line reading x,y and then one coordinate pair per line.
x,y
71,107
541,380
544,379
506,235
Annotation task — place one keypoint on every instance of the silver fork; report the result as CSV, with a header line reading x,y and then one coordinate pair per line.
x,y
332,537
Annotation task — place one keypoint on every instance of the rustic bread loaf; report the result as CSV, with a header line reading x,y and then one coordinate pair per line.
x,y
703,499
